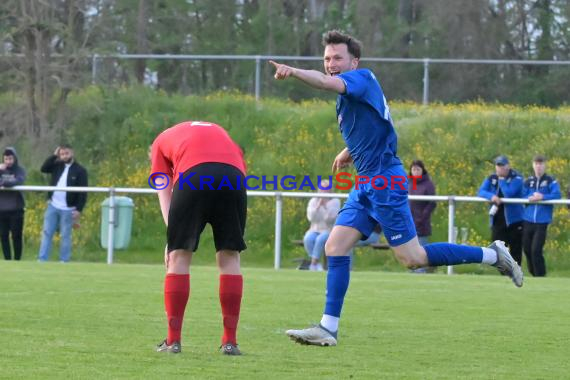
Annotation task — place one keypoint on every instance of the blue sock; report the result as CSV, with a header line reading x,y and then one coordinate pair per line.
x,y
451,254
338,277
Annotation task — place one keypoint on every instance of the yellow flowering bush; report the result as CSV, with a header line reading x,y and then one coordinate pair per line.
x,y
112,129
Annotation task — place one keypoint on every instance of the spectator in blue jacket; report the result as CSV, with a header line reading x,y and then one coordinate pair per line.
x,y
506,219
537,217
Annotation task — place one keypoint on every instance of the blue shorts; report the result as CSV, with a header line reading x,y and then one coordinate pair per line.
x,y
383,200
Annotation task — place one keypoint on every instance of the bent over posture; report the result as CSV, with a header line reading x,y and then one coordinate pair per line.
x,y
200,169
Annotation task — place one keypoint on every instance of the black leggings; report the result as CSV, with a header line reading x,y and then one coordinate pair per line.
x,y
534,237
512,236
12,222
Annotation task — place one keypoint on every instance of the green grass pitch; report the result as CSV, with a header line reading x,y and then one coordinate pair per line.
x,y
77,320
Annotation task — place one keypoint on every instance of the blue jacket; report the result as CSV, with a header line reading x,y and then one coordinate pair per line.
x,y
550,189
511,187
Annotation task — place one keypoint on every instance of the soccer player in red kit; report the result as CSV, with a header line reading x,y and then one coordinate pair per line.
x,y
198,170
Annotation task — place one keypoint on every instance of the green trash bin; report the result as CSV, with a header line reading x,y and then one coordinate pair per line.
x,y
123,222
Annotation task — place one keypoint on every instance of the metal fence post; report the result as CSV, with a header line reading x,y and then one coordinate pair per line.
x,y
257,76
425,97
278,219
451,228
111,226
94,68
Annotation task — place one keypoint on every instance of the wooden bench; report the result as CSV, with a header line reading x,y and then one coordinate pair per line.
x,y
376,246
304,262
373,245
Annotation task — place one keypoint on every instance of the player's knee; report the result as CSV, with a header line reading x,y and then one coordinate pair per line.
x,y
329,247
179,259
333,248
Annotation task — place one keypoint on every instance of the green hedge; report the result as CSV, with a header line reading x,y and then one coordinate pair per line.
x,y
112,128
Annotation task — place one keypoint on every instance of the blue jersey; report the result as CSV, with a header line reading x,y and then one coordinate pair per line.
x,y
366,126
365,123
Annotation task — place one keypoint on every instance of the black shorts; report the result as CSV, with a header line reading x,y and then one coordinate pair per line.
x,y
224,207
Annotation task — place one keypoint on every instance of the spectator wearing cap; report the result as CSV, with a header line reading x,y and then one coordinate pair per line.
x,y
11,204
506,219
538,187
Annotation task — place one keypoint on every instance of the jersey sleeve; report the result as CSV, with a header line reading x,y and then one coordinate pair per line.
x,y
356,82
159,161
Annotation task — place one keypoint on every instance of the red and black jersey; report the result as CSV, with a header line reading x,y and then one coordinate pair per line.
x,y
191,143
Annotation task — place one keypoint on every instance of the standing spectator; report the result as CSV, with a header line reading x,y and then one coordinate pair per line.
x,y
322,213
64,208
422,210
538,187
506,219
11,204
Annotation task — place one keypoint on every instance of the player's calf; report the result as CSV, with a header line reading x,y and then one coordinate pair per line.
x,y
411,254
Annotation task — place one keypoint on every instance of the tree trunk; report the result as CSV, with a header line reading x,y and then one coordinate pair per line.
x,y
37,55
67,78
545,20
142,40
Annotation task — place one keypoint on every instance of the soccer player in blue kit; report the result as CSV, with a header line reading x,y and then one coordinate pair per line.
x,y
371,145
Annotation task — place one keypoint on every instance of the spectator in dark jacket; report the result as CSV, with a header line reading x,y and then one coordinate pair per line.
x,y
421,210
506,219
11,204
64,208
537,217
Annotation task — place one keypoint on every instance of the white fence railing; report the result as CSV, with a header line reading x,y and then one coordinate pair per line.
x,y
278,195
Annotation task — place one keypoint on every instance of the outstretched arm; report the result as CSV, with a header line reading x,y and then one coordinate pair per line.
x,y
313,78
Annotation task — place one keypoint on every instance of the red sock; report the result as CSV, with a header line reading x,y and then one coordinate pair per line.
x,y
231,289
176,294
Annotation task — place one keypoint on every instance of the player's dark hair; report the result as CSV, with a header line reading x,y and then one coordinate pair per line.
x,y
333,37
66,146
